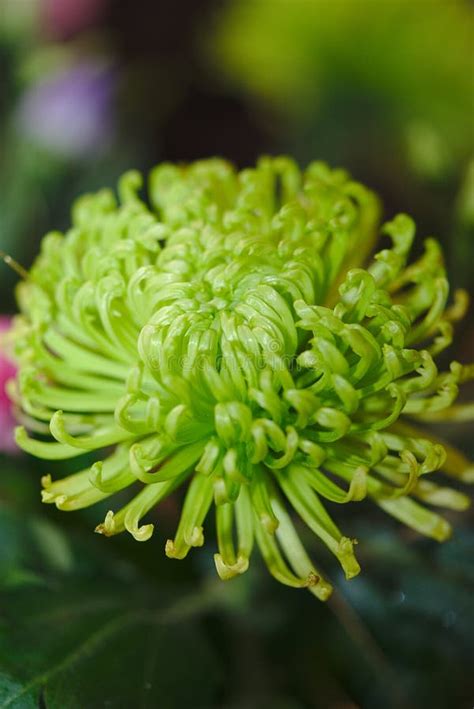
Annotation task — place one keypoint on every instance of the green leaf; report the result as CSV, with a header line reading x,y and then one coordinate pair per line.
x,y
136,662
93,647
101,652
80,626
9,689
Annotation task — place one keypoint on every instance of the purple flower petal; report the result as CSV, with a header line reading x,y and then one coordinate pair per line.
x,y
71,112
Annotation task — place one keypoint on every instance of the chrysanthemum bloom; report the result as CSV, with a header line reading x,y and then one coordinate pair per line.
x,y
235,338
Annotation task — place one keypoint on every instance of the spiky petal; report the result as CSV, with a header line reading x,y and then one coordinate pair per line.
x,y
235,336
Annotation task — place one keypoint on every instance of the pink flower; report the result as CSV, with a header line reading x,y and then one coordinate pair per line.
x,y
65,18
7,371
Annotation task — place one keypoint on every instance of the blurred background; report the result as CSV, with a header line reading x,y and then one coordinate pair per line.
x,y
90,88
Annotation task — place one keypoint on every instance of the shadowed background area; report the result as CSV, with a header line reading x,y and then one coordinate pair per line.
x,y
90,88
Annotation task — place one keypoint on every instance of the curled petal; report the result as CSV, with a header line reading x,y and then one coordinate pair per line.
x,y
236,336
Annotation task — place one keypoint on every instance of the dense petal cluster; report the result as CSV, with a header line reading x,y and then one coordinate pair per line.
x,y
236,337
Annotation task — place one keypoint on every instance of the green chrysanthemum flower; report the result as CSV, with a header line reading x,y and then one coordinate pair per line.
x,y
231,338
